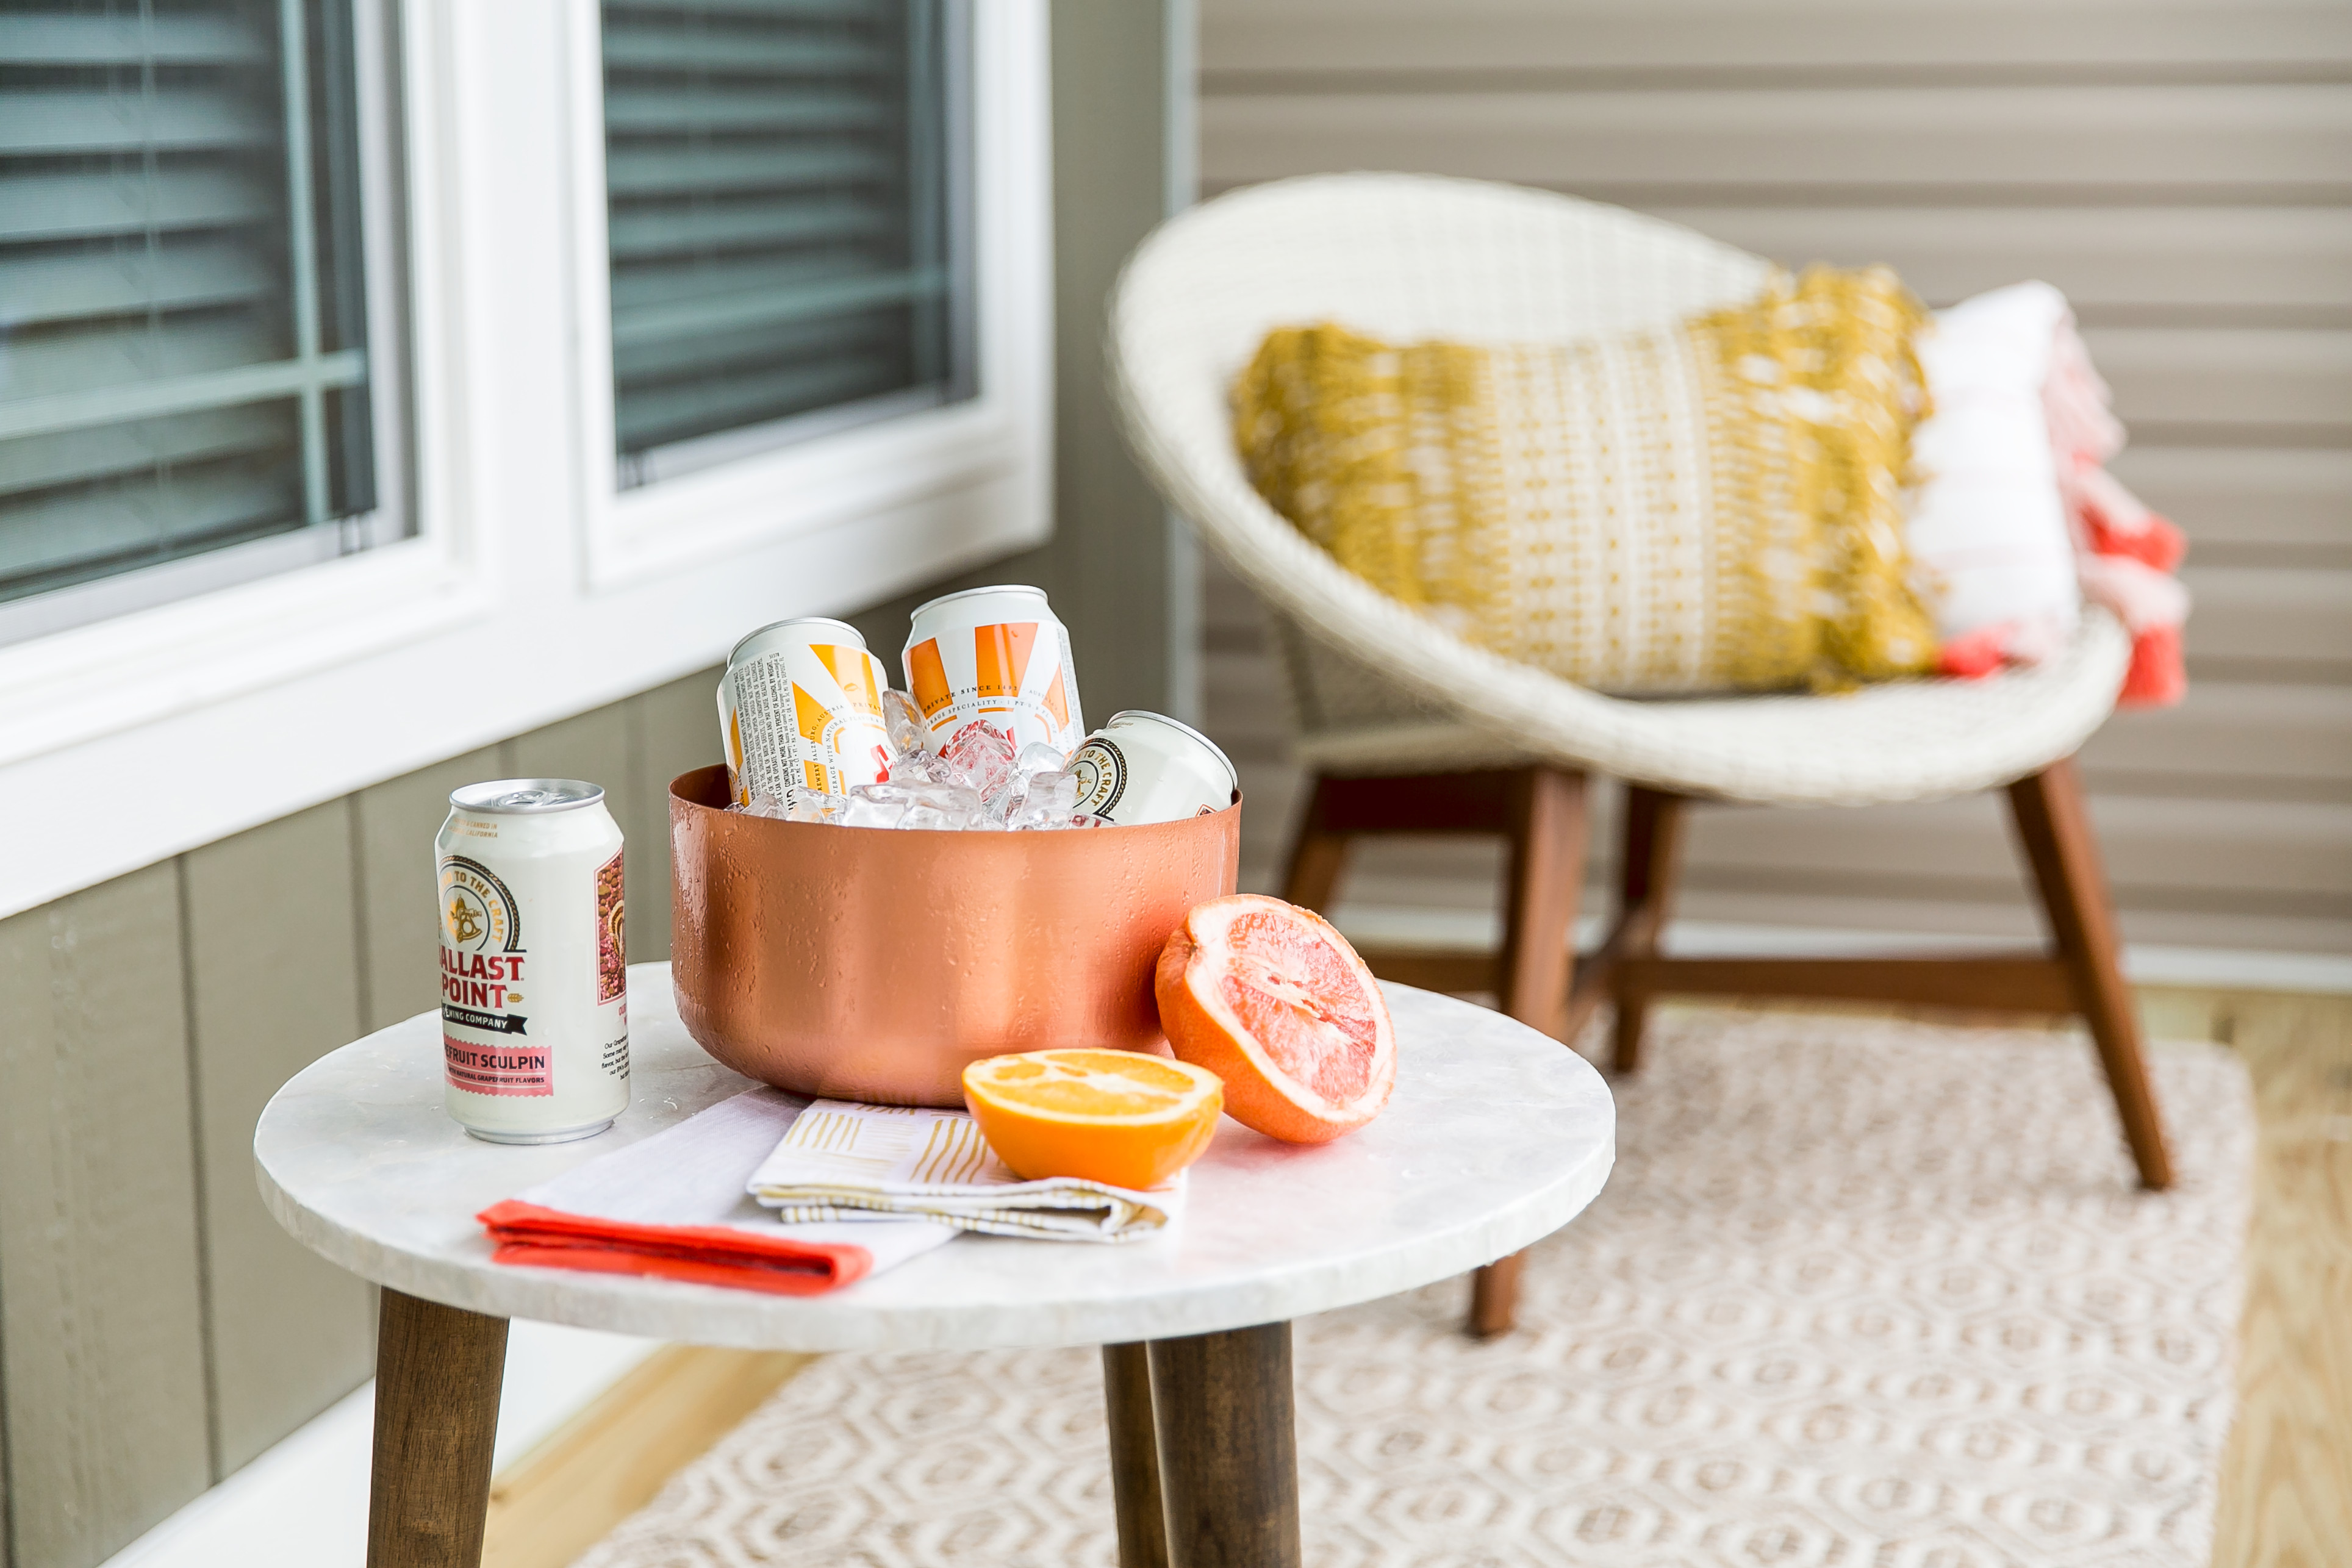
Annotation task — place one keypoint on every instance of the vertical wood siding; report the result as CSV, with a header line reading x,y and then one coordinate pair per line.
x,y
98,1221
271,926
157,1329
2182,170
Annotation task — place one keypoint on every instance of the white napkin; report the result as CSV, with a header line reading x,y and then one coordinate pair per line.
x,y
842,1161
692,1174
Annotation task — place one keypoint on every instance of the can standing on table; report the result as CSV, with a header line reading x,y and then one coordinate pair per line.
x,y
534,982
800,709
1147,767
994,656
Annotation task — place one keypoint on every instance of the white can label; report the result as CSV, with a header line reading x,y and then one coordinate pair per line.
x,y
806,718
1012,675
484,1021
1101,769
1148,775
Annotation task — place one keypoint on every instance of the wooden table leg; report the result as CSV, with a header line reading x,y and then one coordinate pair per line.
x,y
437,1374
1228,1447
1134,1456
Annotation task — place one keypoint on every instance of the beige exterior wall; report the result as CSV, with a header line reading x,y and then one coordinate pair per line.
x,y
157,1329
2182,170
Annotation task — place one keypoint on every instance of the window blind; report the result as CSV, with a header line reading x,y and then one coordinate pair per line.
x,y
183,328
784,183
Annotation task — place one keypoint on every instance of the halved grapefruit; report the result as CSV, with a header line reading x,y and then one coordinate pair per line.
x,y
1273,1000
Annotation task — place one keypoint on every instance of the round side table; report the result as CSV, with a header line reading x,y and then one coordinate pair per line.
x,y
1497,1136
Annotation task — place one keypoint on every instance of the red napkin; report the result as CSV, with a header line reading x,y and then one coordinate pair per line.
x,y
702,1254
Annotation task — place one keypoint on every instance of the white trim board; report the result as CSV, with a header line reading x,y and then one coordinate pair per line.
x,y
2216,968
304,1502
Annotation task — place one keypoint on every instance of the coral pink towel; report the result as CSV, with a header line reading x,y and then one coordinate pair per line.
x,y
2123,553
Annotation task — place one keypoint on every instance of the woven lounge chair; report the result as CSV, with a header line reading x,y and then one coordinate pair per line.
x,y
1407,728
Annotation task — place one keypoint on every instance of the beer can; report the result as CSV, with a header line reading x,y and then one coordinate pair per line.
x,y
534,984
1147,767
995,656
800,708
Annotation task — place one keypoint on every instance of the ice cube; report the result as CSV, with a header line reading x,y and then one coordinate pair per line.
x,y
919,767
981,757
816,806
927,817
1056,792
1050,798
1037,757
904,720
761,804
955,801
876,806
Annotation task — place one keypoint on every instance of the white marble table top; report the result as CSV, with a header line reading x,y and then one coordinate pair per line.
x,y
1496,1137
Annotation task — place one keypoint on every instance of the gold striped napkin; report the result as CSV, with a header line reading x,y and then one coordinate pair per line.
x,y
844,1161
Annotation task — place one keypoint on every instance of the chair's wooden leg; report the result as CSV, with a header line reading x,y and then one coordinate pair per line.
x,y
437,1374
1134,1456
1317,856
1495,1297
1546,873
1646,886
2054,826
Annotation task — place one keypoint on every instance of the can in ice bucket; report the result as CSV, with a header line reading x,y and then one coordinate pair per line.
x,y
534,985
995,656
1147,767
800,708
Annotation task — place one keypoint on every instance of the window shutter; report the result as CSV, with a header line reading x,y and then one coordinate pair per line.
x,y
780,178
183,345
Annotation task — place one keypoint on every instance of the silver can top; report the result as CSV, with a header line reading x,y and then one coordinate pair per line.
x,y
526,796
848,634
1145,716
971,592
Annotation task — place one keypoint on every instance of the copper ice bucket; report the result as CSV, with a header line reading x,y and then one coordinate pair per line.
x,y
871,964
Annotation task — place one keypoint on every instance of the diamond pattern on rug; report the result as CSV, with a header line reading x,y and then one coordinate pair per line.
x,y
1860,1294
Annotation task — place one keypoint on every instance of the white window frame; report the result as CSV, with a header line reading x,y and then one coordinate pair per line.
x,y
531,589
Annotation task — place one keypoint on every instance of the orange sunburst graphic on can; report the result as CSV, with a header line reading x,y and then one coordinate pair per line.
x,y
1057,701
852,671
927,677
809,715
1000,655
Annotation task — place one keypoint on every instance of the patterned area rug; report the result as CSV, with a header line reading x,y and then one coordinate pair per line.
x,y
1861,1294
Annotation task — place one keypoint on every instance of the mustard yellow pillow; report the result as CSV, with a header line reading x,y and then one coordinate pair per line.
x,y
1712,505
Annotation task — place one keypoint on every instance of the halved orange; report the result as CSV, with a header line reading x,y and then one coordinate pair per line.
x,y
1273,1000
1119,1117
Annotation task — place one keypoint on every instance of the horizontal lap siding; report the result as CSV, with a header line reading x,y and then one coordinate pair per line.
x,y
2183,171
2123,143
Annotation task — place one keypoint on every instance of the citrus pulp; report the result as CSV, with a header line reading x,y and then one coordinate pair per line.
x,y
1119,1117
1273,1000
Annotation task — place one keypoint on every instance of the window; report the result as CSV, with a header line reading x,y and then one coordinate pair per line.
x,y
787,194
185,370
379,333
